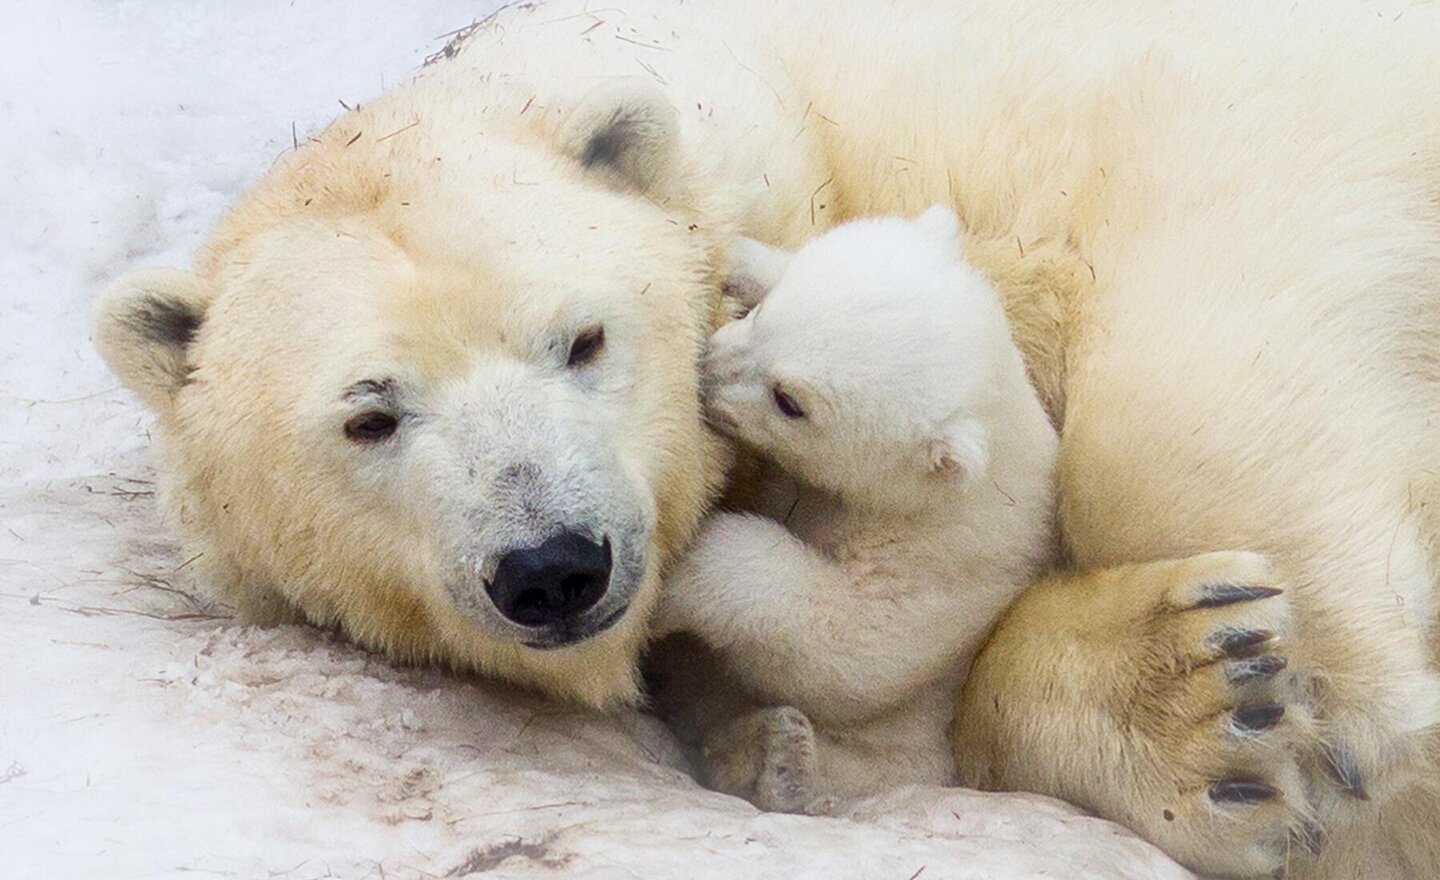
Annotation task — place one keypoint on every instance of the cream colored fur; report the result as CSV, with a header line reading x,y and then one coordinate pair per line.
x,y
917,502
1216,229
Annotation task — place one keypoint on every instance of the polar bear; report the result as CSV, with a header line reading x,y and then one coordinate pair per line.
x,y
880,373
461,326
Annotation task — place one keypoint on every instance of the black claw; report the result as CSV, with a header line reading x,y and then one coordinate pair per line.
x,y
1254,668
1240,791
1240,642
1257,718
1343,768
1216,595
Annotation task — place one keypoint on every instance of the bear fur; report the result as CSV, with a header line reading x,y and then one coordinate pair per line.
x,y
1216,231
917,501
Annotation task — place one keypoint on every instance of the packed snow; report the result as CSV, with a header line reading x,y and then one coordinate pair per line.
x,y
143,732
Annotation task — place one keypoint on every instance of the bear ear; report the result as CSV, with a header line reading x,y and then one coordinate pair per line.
x,y
628,131
754,271
143,325
960,451
940,222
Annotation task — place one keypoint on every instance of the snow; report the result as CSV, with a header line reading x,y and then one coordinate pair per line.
x,y
143,733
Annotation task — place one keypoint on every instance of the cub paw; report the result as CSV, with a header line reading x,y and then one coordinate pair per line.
x,y
767,757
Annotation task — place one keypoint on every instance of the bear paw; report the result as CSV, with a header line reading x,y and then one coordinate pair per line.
x,y
768,757
1223,718
1160,696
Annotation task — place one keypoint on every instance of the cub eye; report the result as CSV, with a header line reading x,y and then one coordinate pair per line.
x,y
371,427
586,347
786,404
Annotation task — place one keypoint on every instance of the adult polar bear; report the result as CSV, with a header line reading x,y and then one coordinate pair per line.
x,y
433,379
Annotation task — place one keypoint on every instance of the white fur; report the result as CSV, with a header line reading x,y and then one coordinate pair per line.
x,y
923,473
1214,230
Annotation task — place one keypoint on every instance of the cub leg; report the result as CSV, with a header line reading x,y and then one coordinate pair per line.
x,y
768,757
799,629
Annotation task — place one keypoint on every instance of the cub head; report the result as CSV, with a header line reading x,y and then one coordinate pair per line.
x,y
867,361
440,389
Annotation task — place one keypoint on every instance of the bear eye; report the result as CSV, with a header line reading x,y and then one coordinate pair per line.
x,y
586,347
371,427
787,405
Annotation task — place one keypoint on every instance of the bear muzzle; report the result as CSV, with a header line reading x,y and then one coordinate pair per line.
x,y
554,588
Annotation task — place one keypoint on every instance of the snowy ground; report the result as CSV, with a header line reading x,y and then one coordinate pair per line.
x,y
143,733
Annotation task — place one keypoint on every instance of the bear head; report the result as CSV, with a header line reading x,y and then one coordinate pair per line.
x,y
440,389
870,361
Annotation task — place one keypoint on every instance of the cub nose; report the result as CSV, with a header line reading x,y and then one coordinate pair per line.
x,y
562,577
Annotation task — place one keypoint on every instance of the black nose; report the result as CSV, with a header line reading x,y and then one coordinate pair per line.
x,y
540,586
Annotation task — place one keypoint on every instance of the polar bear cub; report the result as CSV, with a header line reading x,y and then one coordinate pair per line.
x,y
876,369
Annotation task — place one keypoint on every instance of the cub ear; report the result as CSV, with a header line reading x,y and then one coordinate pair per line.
x,y
754,271
940,222
628,131
143,325
960,451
